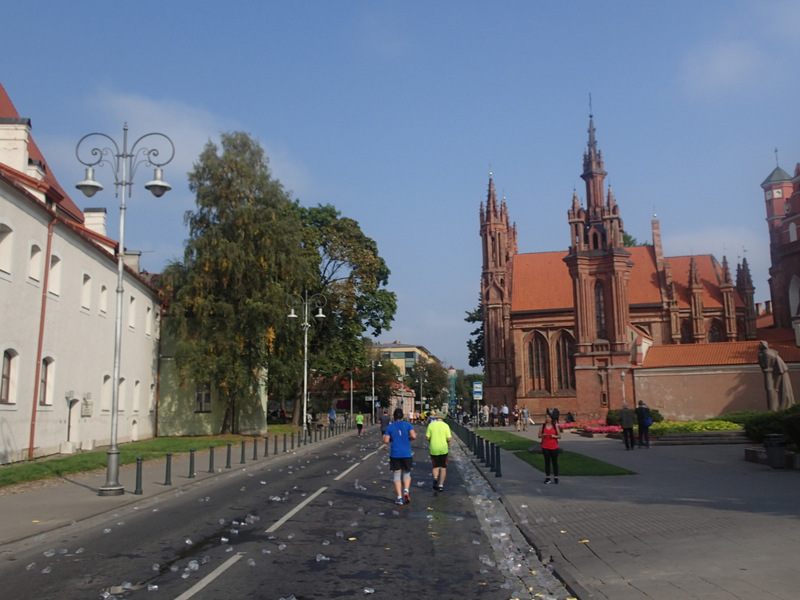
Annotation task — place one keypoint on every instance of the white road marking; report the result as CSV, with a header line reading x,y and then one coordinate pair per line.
x,y
210,577
295,510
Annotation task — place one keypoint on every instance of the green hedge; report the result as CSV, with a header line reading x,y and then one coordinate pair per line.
x,y
785,421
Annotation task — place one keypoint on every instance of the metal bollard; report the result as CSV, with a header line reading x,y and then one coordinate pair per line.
x,y
168,478
491,456
284,442
255,448
266,446
191,463
211,459
228,463
242,461
138,490
292,435
487,453
479,448
275,450
497,471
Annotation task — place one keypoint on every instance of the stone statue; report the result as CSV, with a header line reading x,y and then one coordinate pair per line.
x,y
776,378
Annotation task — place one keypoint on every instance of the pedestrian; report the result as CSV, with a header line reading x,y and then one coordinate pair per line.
x,y
643,421
555,413
332,417
485,415
360,423
549,433
438,436
515,417
493,417
504,415
626,418
399,436
525,415
385,420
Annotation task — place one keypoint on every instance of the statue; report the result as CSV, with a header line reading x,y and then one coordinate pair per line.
x,y
776,378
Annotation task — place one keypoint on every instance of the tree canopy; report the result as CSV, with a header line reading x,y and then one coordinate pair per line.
x,y
475,343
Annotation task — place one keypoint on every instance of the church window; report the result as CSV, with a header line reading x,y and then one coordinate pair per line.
x,y
792,232
600,310
715,332
686,333
565,362
538,363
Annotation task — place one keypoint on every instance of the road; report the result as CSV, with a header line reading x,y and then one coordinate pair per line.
x,y
317,523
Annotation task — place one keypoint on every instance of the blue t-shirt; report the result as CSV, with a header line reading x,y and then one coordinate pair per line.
x,y
400,446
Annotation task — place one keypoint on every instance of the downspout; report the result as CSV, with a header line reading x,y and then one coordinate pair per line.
x,y
42,314
158,365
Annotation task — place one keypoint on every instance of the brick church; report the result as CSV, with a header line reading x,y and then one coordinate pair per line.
x,y
601,323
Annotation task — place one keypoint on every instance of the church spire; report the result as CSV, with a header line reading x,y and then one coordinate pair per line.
x,y
593,174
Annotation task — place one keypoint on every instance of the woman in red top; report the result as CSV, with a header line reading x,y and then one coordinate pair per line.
x,y
550,434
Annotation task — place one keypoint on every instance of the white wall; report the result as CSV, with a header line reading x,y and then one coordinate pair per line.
x,y
78,339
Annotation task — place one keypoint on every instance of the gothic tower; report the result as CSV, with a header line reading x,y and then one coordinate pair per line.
x,y
499,239
600,267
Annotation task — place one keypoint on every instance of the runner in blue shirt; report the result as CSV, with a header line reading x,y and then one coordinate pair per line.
x,y
399,435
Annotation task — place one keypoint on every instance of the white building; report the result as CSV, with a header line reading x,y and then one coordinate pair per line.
x,y
58,279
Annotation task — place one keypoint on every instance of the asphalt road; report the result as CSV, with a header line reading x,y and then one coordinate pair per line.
x,y
313,524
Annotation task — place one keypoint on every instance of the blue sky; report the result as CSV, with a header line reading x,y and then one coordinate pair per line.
x,y
395,112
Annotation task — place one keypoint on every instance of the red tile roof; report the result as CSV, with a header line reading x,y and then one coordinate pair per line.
x,y
722,353
541,280
8,111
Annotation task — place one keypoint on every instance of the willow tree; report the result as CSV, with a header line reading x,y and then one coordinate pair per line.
x,y
226,299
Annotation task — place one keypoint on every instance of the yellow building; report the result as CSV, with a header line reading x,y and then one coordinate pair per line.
x,y
404,356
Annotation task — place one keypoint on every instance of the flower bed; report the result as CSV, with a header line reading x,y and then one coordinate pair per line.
x,y
603,429
581,425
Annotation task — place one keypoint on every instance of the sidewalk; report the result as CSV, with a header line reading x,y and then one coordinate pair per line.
x,y
694,522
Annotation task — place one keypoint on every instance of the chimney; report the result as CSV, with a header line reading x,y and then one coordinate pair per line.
x,y
758,309
14,136
132,259
95,220
768,307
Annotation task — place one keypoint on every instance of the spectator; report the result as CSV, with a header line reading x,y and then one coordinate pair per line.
x,y
626,418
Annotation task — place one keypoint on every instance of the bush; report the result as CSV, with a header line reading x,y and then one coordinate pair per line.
x,y
792,427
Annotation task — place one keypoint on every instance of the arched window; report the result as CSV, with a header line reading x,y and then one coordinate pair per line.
x,y
46,383
7,383
86,291
686,333
54,280
103,299
565,362
35,263
538,363
600,310
6,239
715,332
105,396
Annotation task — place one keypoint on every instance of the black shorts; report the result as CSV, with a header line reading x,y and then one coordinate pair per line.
x,y
439,461
401,464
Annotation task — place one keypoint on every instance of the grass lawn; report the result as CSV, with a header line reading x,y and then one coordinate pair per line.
x,y
45,468
569,463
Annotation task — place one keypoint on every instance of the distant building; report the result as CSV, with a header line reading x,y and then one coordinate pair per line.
x,y
403,356
589,327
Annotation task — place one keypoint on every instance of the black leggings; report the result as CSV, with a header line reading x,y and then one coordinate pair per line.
x,y
550,456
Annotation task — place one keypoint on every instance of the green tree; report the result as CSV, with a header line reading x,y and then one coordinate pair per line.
x,y
227,298
435,386
628,240
475,343
353,276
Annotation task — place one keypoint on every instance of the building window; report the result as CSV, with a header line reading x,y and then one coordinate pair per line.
x,y
148,321
45,383
54,280
86,291
686,333
35,263
600,310
538,363
122,399
105,395
136,392
715,332
565,363
7,382
103,299
6,239
792,232
132,312
203,398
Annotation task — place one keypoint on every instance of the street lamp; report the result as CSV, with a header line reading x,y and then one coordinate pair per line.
x,y
420,381
296,301
123,163
372,367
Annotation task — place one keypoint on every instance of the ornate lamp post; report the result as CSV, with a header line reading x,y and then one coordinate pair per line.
x,y
296,301
420,381
123,163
